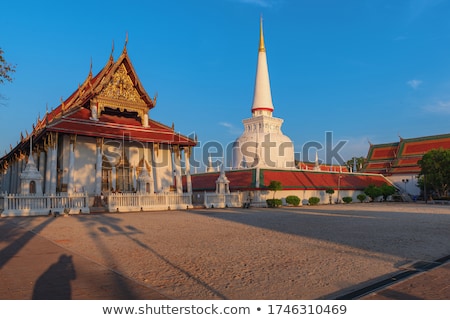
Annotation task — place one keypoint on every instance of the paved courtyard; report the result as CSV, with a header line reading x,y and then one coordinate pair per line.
x,y
310,252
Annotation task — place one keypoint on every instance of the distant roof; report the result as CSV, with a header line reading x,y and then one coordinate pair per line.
x,y
401,157
290,180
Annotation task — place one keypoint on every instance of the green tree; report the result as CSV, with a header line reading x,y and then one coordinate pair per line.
x,y
293,200
274,186
387,190
361,197
435,166
330,191
373,191
360,161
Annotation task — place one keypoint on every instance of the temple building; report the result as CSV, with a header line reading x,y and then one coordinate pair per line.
x,y
100,139
262,144
263,153
398,160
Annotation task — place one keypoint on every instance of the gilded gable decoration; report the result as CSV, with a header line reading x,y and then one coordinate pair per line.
x,y
120,86
119,92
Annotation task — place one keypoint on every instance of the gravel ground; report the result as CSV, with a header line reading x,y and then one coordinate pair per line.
x,y
287,253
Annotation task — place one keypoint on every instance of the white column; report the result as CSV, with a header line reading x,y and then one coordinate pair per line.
x,y
187,155
149,162
53,168
70,183
98,168
13,176
133,170
145,120
42,167
155,167
177,158
48,174
7,179
257,194
113,178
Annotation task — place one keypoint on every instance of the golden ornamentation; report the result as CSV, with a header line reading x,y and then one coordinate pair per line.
x,y
121,87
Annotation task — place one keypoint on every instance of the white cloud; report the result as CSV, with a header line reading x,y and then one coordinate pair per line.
x,y
440,107
414,83
231,128
226,124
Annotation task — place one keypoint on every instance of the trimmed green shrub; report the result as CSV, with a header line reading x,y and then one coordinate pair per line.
x,y
313,201
293,200
347,199
273,203
373,192
361,197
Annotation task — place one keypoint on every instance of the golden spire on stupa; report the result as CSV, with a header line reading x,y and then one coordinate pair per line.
x,y
262,48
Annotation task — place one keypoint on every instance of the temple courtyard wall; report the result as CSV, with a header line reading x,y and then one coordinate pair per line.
x,y
306,252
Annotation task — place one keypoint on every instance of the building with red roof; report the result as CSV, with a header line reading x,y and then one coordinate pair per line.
x,y
398,161
101,139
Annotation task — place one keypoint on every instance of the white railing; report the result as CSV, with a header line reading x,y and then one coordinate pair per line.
x,y
32,204
228,200
123,202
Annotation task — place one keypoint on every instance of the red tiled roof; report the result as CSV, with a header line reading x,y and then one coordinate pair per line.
x,y
412,161
116,127
383,152
421,147
290,180
239,180
320,180
402,156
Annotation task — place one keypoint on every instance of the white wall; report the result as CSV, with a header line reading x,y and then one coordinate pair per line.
x,y
306,194
411,185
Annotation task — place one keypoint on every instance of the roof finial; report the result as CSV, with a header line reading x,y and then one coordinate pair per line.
x,y
126,42
112,51
262,48
90,70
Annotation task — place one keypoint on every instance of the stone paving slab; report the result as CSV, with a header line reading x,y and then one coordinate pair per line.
x,y
32,267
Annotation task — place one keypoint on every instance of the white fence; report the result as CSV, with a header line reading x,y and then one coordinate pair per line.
x,y
123,202
228,200
31,205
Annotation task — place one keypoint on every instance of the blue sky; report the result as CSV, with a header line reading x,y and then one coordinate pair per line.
x,y
365,70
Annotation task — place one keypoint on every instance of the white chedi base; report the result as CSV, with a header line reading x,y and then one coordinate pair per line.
x,y
263,145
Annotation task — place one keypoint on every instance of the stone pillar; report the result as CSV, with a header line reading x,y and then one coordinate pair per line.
x,y
155,167
70,182
113,178
145,120
99,168
53,168
41,166
257,194
48,175
13,176
149,162
7,179
187,155
133,177
177,170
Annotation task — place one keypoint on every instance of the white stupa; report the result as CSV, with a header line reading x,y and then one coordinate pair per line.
x,y
263,145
